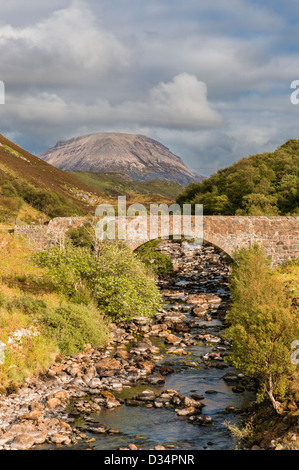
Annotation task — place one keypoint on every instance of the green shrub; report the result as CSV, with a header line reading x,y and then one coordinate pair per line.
x,y
70,269
263,325
44,200
122,284
73,326
8,190
149,253
82,236
115,278
9,207
81,296
27,304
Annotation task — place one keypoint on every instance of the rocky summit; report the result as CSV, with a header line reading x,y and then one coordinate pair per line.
x,y
137,156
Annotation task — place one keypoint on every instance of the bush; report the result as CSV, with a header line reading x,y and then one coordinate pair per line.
x,y
73,326
27,305
263,325
9,207
82,296
160,263
82,236
122,285
115,278
70,269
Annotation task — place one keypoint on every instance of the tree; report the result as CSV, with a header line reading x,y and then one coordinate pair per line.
x,y
259,204
263,325
213,203
263,184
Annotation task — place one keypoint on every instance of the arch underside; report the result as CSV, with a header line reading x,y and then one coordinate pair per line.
x,y
178,238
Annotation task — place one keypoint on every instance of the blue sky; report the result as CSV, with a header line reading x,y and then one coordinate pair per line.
x,y
209,79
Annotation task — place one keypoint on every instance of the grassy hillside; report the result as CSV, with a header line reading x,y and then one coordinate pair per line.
x,y
116,184
264,184
31,188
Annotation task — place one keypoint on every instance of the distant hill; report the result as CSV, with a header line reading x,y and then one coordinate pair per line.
x,y
30,188
137,156
263,184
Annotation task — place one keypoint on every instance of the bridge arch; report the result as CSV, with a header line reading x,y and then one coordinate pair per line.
x,y
279,236
205,242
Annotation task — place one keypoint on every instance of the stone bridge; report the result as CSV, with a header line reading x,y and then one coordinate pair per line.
x,y
279,236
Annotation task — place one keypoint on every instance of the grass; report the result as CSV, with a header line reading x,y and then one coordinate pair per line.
x,y
23,215
14,152
29,302
24,356
16,275
25,178
31,189
114,184
263,427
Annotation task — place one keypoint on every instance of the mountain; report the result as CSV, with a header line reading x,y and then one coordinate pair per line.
x,y
137,156
262,184
30,188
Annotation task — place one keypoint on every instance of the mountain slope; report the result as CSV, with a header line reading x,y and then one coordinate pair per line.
x,y
26,179
117,184
141,158
263,184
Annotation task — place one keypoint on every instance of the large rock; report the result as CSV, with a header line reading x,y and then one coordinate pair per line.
x,y
155,379
146,395
189,411
173,339
23,442
107,366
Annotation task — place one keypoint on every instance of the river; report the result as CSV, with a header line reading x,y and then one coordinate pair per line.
x,y
199,270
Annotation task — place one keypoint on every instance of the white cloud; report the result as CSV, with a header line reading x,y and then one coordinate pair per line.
x,y
179,104
77,67
67,47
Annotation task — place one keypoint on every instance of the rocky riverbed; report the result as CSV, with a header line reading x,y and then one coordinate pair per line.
x,y
153,371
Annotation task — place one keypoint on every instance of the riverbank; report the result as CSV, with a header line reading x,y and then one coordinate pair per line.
x,y
65,406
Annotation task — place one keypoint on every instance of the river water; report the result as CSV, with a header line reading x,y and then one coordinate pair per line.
x,y
147,427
